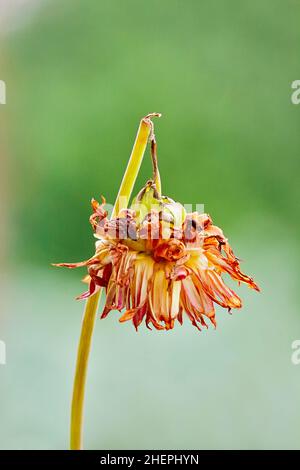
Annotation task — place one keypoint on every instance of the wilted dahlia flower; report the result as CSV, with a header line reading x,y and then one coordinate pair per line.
x,y
159,263
156,263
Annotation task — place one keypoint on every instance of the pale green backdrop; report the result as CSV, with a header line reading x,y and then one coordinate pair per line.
x,y
79,77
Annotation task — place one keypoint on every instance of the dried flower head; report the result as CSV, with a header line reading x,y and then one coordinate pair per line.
x,y
158,262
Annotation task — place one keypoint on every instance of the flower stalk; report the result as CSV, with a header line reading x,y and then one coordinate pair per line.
x,y
144,132
156,175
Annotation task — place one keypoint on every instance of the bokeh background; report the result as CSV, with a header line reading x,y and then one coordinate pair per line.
x,y
79,77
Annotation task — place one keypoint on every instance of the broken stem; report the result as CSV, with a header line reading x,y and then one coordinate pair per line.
x,y
156,175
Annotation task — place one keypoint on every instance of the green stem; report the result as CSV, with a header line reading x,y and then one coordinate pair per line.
x,y
83,353
92,303
156,175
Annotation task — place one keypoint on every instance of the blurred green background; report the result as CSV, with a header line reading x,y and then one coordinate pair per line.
x,y
79,77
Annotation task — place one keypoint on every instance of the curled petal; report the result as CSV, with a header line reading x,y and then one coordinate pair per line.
x,y
99,213
170,250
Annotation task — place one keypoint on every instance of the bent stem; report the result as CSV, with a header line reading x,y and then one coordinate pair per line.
x,y
88,323
156,175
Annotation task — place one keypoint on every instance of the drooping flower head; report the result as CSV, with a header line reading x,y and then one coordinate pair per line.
x,y
159,264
